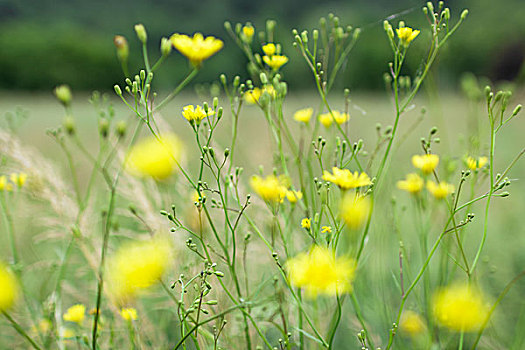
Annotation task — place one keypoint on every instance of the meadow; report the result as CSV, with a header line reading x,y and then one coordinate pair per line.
x,y
241,215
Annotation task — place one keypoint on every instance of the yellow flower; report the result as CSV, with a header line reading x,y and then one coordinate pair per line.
x,y
198,48
413,183
269,49
345,179
137,266
474,164
319,272
294,196
8,288
354,210
75,313
326,118
276,61
270,188
195,114
63,94
441,190
155,158
18,179
306,223
248,31
427,162
406,35
129,314
326,229
3,182
412,323
303,115
66,333
252,96
43,326
460,307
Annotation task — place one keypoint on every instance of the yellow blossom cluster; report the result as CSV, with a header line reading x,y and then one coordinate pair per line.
x,y
274,189
76,314
406,35
196,48
412,323
476,163
195,114
354,210
460,307
155,158
328,118
306,223
303,115
427,163
413,183
345,179
15,179
271,59
320,272
253,96
128,314
137,266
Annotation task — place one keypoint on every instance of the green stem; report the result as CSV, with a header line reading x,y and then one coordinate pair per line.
x,y
178,89
21,331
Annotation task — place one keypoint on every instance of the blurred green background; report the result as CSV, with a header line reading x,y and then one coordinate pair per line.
x,y
48,42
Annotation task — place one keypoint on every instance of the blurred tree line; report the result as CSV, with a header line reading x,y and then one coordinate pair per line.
x,y
47,42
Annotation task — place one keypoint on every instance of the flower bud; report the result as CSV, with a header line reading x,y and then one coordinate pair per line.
x,y
165,46
103,126
122,47
118,91
464,14
69,125
121,128
63,94
141,33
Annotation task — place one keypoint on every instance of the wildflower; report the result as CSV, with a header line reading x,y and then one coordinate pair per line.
x,y
406,35
306,223
294,196
195,114
474,164
253,96
345,179
66,334
4,185
460,307
198,48
413,183
248,31
440,190
269,49
326,229
122,47
270,188
75,313
137,266
303,115
18,179
156,158
327,119
354,210
412,323
8,288
427,162
319,272
129,314
276,61
43,326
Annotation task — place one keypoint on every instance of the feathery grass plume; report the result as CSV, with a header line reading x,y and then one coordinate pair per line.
x,y
354,210
412,323
340,118
440,190
476,163
75,313
406,35
9,288
271,188
136,266
412,184
156,158
128,313
197,48
345,179
427,163
303,115
320,272
460,307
